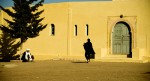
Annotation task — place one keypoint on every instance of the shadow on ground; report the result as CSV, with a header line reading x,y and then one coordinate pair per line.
x,y
79,62
146,73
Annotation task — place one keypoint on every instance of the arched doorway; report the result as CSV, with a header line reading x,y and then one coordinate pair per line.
x,y
121,39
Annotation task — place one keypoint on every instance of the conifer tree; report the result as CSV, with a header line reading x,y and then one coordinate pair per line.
x,y
26,21
8,47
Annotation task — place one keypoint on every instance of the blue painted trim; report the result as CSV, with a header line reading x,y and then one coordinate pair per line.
x,y
9,3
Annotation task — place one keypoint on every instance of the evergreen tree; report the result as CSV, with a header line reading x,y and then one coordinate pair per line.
x,y
8,47
26,21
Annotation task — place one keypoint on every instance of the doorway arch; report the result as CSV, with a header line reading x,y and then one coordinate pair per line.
x,y
121,39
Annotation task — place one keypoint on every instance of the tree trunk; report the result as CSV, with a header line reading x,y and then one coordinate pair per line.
x,y
22,40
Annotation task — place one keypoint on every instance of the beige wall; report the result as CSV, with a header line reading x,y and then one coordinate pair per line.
x,y
101,17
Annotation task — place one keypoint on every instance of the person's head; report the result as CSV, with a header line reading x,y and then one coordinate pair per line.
x,y
88,40
28,50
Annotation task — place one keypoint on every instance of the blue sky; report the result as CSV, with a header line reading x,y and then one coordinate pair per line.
x,y
8,3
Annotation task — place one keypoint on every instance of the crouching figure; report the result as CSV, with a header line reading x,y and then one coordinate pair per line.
x,y
27,57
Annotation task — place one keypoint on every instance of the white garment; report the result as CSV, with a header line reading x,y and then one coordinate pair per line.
x,y
26,56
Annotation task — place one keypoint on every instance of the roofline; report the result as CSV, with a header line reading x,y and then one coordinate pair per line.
x,y
5,4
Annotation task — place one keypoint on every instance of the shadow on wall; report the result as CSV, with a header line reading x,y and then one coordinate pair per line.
x,y
8,48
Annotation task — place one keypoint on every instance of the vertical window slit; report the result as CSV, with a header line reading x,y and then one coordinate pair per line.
x,y
87,29
52,29
76,30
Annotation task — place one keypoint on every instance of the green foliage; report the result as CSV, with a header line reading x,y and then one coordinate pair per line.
x,y
8,47
26,21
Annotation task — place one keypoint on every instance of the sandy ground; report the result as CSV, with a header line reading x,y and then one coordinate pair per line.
x,y
74,71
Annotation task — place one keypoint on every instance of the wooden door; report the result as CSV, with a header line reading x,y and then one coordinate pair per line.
x,y
121,39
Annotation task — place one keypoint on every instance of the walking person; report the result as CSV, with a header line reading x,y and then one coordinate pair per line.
x,y
89,51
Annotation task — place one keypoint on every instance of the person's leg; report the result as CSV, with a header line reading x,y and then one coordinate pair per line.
x,y
86,56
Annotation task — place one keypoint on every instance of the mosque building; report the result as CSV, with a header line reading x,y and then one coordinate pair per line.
x,y
119,30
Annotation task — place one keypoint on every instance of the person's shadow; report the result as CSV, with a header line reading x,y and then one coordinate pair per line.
x,y
147,73
79,62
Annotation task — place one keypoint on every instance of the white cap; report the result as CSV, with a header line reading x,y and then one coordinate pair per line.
x,y
28,49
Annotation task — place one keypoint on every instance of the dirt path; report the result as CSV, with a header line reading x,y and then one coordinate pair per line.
x,y
74,71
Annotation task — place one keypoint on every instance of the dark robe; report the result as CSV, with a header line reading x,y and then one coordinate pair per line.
x,y
23,57
89,51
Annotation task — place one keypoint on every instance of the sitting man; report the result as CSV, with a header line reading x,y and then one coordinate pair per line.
x,y
27,57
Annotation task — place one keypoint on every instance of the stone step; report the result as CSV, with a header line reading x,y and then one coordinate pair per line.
x,y
122,60
116,56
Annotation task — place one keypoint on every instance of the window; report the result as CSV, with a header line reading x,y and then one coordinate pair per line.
x,y
52,29
87,30
75,30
